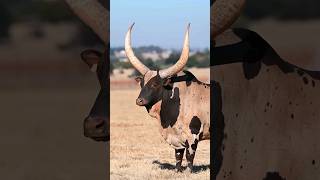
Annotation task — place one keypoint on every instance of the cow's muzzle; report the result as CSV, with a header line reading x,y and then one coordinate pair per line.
x,y
96,128
141,101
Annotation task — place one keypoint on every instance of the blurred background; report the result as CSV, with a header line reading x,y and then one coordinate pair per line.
x,y
291,26
46,91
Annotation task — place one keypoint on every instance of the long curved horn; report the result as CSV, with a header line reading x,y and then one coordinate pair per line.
x,y
179,65
93,14
223,14
136,63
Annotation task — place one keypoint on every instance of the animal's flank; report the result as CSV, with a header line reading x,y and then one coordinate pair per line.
x,y
265,104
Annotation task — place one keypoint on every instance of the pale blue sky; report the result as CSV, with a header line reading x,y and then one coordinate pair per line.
x,y
161,23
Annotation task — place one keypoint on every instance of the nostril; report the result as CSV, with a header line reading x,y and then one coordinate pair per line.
x,y
92,123
99,124
139,100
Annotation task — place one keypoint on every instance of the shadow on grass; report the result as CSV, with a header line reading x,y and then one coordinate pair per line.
x,y
167,166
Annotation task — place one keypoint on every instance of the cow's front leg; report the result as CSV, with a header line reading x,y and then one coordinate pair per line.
x,y
179,157
190,153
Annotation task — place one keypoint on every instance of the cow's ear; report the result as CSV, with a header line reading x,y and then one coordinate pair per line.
x,y
91,58
138,79
167,83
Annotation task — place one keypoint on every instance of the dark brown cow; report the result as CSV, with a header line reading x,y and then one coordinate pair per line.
x,y
96,124
179,102
96,16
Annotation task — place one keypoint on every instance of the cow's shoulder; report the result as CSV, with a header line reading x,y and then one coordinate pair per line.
x,y
183,76
269,57
187,77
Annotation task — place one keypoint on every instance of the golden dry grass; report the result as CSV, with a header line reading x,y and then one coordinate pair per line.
x,y
137,148
41,135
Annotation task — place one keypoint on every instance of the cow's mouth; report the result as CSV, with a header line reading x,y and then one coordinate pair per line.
x,y
104,138
141,102
99,138
96,128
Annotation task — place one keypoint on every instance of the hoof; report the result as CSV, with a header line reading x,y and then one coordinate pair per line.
x,y
180,170
190,169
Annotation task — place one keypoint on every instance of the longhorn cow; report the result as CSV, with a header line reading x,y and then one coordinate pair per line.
x,y
96,16
179,102
96,125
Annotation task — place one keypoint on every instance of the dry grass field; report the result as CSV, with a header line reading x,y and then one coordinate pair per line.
x,y
137,150
41,135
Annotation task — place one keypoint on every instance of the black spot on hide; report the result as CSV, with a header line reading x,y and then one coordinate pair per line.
x,y
195,125
273,176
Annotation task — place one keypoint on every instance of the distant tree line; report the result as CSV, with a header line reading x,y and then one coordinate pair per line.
x,y
55,11
43,11
5,20
198,59
283,9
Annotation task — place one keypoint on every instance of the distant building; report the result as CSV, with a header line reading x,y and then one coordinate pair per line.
x,y
153,55
121,56
165,54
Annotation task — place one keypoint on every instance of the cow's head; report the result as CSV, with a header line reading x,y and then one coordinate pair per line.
x,y
95,14
151,91
153,82
96,124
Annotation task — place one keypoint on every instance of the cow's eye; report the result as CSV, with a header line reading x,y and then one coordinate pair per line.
x,y
154,85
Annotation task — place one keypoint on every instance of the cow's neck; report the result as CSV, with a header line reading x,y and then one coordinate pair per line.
x,y
168,105
154,110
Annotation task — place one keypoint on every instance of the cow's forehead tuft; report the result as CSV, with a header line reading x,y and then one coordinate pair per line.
x,y
149,75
